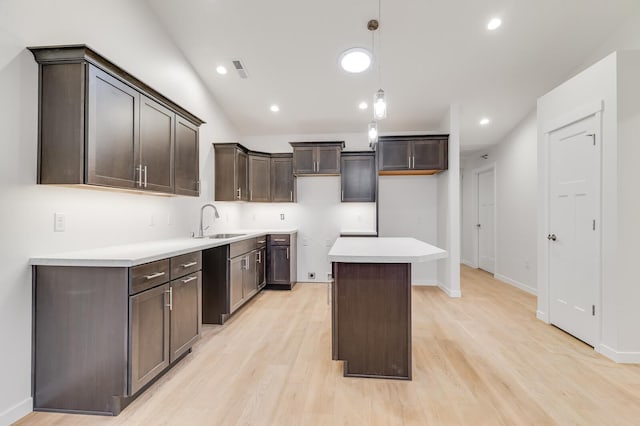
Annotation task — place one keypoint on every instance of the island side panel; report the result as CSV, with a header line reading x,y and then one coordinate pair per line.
x,y
372,319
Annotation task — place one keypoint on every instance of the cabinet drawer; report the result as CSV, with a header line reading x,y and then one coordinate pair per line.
x,y
242,247
148,275
279,240
185,264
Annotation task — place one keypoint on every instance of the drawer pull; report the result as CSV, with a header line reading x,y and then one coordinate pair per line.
x,y
261,241
188,280
280,239
189,265
152,276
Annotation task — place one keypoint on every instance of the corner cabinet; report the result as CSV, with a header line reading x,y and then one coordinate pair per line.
x,y
102,335
283,189
259,177
98,125
413,155
316,158
358,177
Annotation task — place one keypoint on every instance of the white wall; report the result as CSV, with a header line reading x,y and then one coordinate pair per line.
x,y
515,162
125,32
613,85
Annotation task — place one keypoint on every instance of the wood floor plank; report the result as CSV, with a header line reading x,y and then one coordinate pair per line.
x,y
483,359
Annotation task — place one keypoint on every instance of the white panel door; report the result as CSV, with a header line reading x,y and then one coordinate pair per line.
x,y
486,225
574,245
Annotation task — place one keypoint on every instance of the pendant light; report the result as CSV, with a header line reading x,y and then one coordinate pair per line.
x,y
379,105
373,133
379,101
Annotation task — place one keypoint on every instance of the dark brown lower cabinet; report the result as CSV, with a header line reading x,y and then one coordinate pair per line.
x,y
102,335
281,261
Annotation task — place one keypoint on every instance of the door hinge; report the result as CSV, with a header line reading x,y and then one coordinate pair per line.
x,y
594,224
593,310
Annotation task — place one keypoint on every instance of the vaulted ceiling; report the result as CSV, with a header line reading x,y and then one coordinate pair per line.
x,y
431,54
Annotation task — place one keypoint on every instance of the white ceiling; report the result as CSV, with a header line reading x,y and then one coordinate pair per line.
x,y
432,53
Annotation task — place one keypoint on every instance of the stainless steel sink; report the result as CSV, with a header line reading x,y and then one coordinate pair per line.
x,y
223,236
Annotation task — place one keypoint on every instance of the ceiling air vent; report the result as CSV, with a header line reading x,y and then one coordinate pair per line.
x,y
242,72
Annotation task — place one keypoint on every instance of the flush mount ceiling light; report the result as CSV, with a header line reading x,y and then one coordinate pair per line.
x,y
220,69
494,24
484,121
355,60
274,108
363,105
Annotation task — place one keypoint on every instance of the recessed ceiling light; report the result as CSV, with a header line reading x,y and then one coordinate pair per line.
x,y
494,24
484,121
363,105
274,108
221,70
355,60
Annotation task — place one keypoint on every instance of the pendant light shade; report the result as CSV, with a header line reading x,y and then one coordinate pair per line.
x,y
373,133
379,105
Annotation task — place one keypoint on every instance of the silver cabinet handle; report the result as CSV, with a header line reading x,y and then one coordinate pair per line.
x,y
145,176
409,161
188,280
287,252
170,305
342,196
189,265
259,257
280,239
156,275
291,195
239,193
139,170
251,194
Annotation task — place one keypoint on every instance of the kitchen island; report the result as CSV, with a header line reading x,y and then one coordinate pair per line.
x,y
371,303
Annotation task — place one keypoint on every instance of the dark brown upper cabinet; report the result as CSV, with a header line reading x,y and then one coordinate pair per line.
x,y
259,177
187,158
99,125
231,172
413,155
358,177
282,181
316,158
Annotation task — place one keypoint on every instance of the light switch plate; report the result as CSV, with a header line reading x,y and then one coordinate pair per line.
x,y
59,222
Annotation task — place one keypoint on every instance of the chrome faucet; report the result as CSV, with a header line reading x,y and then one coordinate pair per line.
x,y
217,216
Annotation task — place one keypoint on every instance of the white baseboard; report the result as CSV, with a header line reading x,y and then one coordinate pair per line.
x,y
469,264
15,413
426,283
449,292
516,284
619,357
542,316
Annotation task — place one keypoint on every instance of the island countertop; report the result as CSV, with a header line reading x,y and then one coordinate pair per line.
x,y
383,250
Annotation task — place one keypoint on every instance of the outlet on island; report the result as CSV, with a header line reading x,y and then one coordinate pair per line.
x,y
311,275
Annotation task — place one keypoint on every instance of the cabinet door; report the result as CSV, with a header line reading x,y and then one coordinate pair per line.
x,y
282,180
250,275
328,160
278,268
236,269
112,132
259,178
394,155
149,334
304,160
185,313
261,265
157,135
429,154
358,178
242,180
187,159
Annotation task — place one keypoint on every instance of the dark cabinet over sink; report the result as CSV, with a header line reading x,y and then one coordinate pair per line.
x,y
99,125
413,155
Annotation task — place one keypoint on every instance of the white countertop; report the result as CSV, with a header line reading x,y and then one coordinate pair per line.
x,y
383,250
127,255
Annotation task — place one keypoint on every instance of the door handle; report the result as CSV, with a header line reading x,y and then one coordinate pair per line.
x,y
139,170
552,237
239,193
188,280
170,305
291,195
145,176
189,265
152,276
287,253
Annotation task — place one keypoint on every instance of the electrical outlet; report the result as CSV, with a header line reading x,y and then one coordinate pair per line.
x,y
305,241
281,216
59,222
329,276
311,275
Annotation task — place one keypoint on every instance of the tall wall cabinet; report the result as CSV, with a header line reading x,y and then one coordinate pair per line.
x,y
98,125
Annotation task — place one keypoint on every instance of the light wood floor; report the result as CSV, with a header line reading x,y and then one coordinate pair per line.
x,y
483,359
